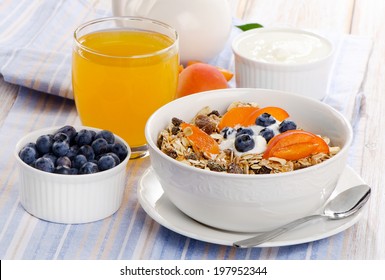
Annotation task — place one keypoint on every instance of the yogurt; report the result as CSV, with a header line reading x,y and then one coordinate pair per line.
x,y
284,47
260,142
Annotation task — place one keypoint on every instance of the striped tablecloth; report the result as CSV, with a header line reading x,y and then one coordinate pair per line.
x,y
35,53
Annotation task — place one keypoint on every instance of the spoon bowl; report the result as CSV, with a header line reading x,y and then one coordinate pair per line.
x,y
341,206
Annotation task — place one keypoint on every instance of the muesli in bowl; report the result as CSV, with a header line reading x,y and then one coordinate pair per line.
x,y
244,202
246,139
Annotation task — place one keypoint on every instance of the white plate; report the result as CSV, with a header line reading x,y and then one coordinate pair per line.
x,y
156,203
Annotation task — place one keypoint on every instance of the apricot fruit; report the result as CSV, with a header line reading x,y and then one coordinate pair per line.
x,y
277,112
199,77
200,140
294,145
226,73
238,116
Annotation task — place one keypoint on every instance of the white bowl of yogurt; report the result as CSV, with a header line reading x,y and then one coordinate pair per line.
x,y
288,59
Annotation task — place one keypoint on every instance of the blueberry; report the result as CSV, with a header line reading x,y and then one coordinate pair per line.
x,y
61,137
267,133
60,148
87,151
44,143
93,134
94,161
243,130
73,171
244,143
51,156
120,150
107,135
265,120
69,130
28,154
227,131
100,146
106,162
88,168
78,161
65,170
83,137
32,145
287,125
45,164
116,158
73,151
63,161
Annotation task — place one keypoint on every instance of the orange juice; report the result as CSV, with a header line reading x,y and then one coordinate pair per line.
x,y
120,77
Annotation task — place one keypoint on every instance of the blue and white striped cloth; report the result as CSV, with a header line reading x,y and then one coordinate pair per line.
x,y
35,53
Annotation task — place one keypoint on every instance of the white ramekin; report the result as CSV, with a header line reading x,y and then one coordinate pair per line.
x,y
310,78
70,199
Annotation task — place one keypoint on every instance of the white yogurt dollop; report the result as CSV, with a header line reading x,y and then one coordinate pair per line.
x,y
284,47
260,142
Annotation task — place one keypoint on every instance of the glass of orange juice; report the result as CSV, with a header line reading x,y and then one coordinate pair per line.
x,y
123,69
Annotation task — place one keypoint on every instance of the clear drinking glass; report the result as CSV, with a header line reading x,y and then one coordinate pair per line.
x,y
123,69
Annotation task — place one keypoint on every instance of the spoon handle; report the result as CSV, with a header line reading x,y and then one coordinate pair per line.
x,y
266,236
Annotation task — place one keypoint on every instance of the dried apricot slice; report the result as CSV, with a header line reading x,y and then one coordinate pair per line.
x,y
199,139
237,116
294,145
277,112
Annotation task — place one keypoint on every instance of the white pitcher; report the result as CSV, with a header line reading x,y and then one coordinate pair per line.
x,y
203,25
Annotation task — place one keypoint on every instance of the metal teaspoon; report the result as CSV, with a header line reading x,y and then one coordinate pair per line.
x,y
342,206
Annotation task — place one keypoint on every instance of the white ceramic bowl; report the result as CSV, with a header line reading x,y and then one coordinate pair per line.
x,y
70,199
250,203
307,72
